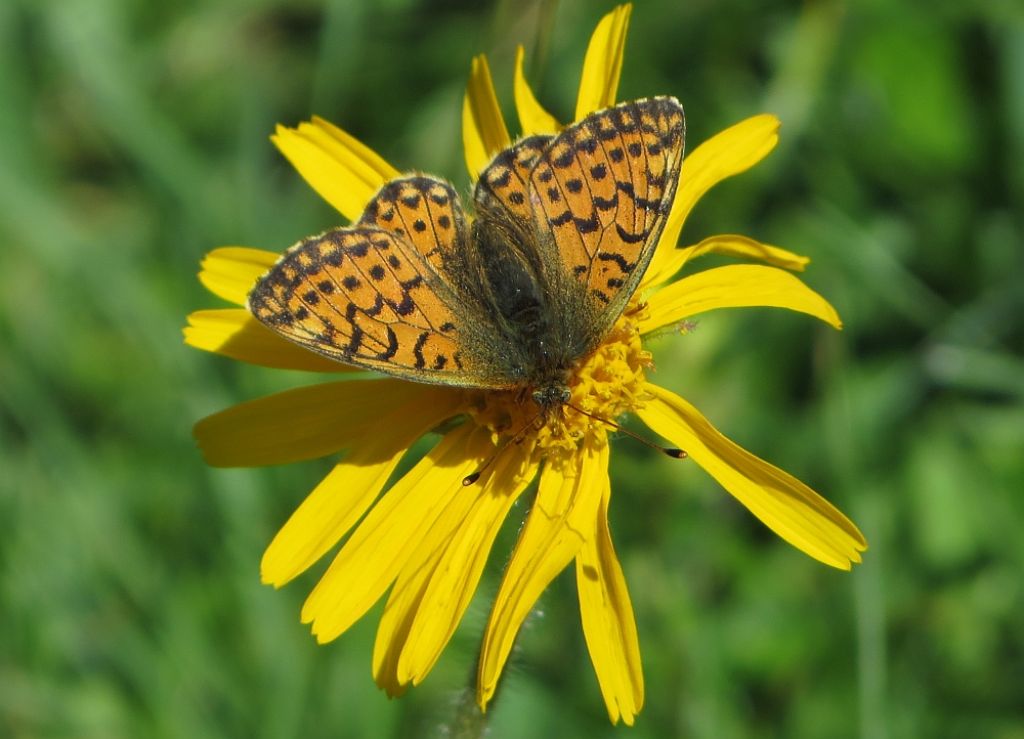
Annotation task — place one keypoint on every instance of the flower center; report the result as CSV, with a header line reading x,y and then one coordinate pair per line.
x,y
606,384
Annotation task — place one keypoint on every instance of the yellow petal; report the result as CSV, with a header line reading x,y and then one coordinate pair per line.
x,y
602,65
784,504
402,654
533,119
391,533
343,171
458,571
731,245
483,128
331,509
562,514
234,333
734,286
734,150
310,422
399,612
608,624
231,271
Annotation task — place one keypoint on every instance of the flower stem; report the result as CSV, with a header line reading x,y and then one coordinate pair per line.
x,y
469,722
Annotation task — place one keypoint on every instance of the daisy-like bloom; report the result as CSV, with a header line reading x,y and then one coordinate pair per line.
x,y
428,536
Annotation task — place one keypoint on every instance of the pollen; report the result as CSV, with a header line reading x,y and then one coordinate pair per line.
x,y
605,385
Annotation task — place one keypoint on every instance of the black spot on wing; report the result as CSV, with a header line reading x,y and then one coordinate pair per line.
x,y
587,225
417,350
562,218
374,310
640,202
564,160
623,265
392,347
631,238
355,341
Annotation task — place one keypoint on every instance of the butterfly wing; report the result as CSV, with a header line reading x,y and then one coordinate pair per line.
x,y
503,191
423,211
600,193
377,297
582,212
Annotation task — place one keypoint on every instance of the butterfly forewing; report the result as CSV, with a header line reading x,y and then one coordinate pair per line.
x,y
603,188
366,297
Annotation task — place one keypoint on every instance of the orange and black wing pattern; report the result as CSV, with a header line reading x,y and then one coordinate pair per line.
x,y
366,296
603,189
423,211
398,292
503,190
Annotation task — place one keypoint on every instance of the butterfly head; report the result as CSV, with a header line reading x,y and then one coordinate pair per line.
x,y
551,395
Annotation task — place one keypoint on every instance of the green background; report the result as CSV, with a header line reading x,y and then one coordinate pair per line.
x,y
133,138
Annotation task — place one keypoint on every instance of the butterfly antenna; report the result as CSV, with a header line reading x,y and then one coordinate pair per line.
x,y
515,439
667,450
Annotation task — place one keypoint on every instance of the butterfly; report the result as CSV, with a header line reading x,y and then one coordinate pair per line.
x,y
565,226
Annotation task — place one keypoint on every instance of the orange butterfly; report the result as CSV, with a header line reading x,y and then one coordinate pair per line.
x,y
565,227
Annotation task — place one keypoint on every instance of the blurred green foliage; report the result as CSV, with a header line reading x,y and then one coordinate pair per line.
x,y
133,138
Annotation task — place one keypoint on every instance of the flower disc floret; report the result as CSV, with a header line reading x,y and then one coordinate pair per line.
x,y
605,385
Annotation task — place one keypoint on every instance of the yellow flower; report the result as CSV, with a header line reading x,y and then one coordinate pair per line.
x,y
428,536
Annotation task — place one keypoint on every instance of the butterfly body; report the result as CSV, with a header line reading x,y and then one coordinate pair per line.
x,y
537,351
565,227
